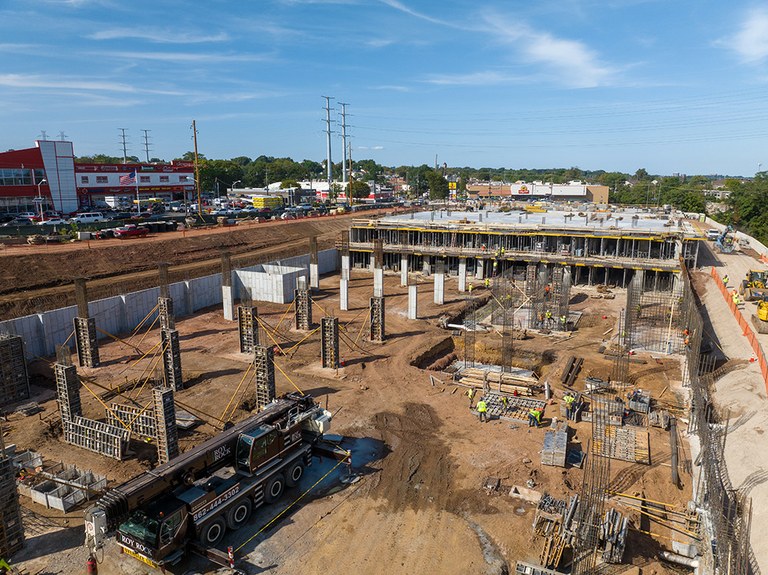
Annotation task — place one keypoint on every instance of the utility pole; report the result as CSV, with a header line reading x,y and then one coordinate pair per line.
x,y
349,186
125,144
329,166
62,136
146,143
197,174
344,140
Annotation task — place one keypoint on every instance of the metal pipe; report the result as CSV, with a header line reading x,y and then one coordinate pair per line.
x,y
679,559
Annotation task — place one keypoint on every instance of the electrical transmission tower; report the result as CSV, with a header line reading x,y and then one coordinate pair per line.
x,y
146,143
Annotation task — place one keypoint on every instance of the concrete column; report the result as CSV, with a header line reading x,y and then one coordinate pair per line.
x,y
314,274
479,265
403,270
344,295
413,301
373,261
227,293
462,274
345,267
378,282
440,288
426,269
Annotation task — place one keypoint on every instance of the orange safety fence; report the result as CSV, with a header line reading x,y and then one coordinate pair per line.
x,y
746,328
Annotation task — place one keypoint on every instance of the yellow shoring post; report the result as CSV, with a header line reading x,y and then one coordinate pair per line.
x,y
289,379
362,327
318,305
115,338
231,399
346,325
142,357
70,337
348,339
148,330
294,346
109,409
290,305
261,323
152,366
146,317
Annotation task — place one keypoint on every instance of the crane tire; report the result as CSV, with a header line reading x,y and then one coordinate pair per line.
x,y
239,513
213,533
274,488
294,474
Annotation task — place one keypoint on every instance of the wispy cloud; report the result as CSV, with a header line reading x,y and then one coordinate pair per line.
x,y
488,78
392,88
397,5
379,43
31,81
568,61
374,148
751,41
188,57
158,36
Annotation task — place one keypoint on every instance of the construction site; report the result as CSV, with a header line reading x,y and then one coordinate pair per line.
x,y
532,392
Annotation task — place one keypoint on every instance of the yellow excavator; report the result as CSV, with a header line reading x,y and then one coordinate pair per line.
x,y
755,285
760,318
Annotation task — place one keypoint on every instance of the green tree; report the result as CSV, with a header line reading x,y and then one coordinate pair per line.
x,y
358,189
438,186
288,183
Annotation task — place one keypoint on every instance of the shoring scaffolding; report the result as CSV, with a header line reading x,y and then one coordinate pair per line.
x,y
470,335
303,303
171,359
67,386
620,369
264,375
655,321
11,528
503,314
378,332
165,424
248,328
329,342
86,342
597,476
165,313
728,510
14,379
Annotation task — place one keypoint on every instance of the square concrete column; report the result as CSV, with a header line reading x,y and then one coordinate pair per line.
x,y
462,274
440,288
378,282
403,270
227,293
345,266
344,294
413,301
373,261
314,277
479,265
426,268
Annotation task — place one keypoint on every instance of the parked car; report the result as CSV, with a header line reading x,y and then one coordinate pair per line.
x,y
287,216
120,216
88,218
15,222
53,222
130,231
30,215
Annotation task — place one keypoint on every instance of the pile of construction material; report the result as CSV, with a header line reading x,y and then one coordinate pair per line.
x,y
517,382
555,446
613,534
56,485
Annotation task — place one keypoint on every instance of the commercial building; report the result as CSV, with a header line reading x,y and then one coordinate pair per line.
x,y
48,177
572,191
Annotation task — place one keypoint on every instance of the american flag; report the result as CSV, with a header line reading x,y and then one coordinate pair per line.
x,y
128,180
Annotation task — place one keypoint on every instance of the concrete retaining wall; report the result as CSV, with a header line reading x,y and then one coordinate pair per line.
x,y
43,332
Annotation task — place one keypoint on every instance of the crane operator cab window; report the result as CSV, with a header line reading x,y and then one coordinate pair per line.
x,y
170,527
141,527
256,447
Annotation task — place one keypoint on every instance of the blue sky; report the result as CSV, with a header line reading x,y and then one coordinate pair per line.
x,y
669,86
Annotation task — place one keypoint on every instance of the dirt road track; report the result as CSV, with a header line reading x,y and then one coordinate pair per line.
x,y
39,278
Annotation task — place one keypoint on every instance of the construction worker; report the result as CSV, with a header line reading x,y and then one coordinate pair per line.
x,y
502,252
505,402
487,283
534,418
569,399
471,393
547,289
725,280
482,410
470,288
548,316
735,297
564,322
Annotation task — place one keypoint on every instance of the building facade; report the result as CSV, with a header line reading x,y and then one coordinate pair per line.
x,y
47,177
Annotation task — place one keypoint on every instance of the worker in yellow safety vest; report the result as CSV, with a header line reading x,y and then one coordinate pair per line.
x,y
471,393
487,283
482,410
569,399
534,418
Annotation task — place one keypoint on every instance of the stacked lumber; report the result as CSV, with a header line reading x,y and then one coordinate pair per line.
x,y
503,382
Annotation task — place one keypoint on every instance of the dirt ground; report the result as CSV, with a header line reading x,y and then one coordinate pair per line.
x,y
423,457
36,278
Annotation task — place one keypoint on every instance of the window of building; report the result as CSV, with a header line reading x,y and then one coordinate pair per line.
x,y
102,179
83,179
165,179
144,179
183,178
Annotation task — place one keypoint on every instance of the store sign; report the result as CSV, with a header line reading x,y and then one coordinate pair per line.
x,y
522,190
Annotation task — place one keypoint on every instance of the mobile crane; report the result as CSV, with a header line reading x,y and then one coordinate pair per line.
x,y
190,502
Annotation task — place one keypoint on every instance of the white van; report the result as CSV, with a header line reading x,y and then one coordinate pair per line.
x,y
713,234
88,218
